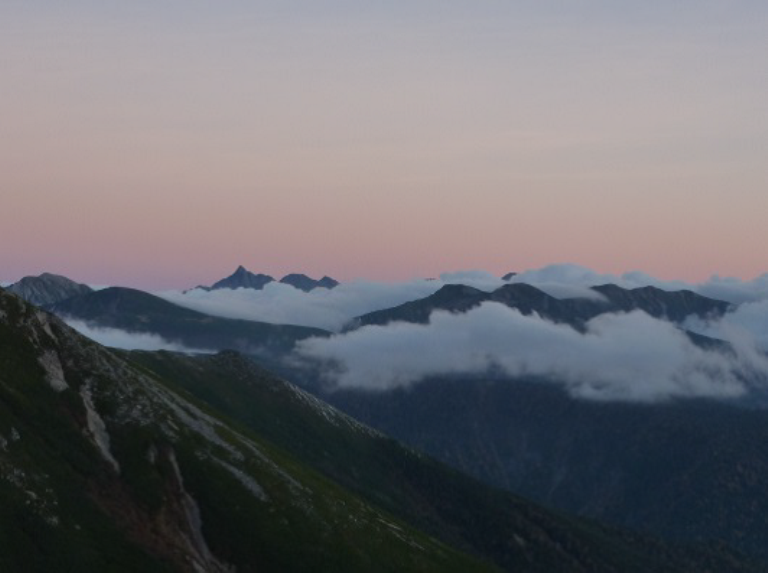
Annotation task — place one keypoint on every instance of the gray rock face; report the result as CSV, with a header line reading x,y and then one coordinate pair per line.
x,y
47,289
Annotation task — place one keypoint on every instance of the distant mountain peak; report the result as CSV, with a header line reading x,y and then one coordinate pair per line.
x,y
242,278
305,283
47,288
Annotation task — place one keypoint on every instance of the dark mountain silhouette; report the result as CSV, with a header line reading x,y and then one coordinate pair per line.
x,y
673,306
305,283
241,278
686,470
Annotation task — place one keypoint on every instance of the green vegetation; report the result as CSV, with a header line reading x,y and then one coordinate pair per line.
x,y
514,533
188,489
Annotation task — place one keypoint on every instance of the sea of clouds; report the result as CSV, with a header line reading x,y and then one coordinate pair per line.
x,y
332,309
329,309
623,356
620,356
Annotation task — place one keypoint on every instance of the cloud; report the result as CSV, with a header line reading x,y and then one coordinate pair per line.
x,y
746,322
4,284
116,338
735,290
322,308
627,357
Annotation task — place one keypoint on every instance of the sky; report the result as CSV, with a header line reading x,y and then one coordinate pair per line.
x,y
160,144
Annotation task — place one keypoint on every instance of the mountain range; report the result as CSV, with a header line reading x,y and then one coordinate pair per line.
x,y
687,470
243,278
674,306
120,461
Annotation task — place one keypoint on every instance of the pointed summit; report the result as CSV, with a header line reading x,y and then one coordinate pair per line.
x,y
242,278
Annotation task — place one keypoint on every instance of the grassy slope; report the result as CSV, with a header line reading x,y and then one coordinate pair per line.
x,y
516,534
63,508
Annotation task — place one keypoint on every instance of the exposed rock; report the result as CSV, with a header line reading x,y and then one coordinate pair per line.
x,y
47,289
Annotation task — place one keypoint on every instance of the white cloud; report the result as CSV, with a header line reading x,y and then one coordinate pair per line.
x,y
116,338
630,357
746,322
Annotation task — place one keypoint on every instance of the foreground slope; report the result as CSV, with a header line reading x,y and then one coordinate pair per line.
x,y
137,311
516,534
105,469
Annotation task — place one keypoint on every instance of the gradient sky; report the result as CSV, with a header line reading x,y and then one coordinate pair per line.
x,y
161,143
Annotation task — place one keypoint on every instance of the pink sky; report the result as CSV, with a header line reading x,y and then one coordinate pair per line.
x,y
159,148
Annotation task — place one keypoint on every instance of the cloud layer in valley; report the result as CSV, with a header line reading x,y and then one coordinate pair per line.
x,y
116,338
628,357
332,309
329,309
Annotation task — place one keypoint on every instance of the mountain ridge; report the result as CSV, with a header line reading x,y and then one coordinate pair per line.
x,y
243,278
137,311
457,298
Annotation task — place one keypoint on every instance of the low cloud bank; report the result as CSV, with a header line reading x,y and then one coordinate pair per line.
x,y
745,324
322,308
116,338
332,309
625,357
